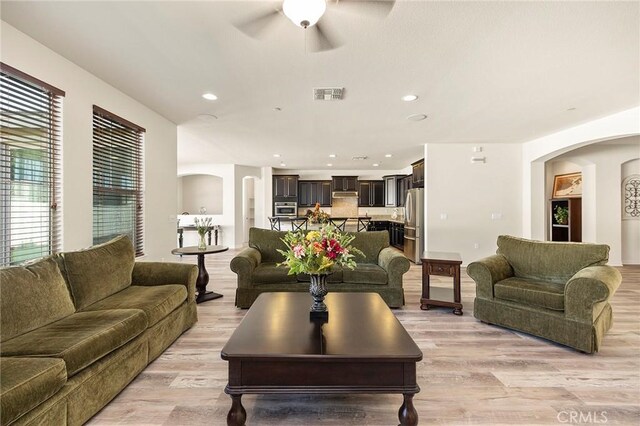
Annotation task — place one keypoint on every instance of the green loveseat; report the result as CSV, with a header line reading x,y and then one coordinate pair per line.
x,y
558,291
380,270
77,327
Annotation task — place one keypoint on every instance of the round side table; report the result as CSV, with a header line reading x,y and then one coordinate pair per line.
x,y
203,275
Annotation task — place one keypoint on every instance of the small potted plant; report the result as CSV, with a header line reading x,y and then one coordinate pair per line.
x,y
561,215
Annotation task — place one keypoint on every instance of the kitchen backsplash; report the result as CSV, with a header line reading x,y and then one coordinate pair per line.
x,y
344,207
380,212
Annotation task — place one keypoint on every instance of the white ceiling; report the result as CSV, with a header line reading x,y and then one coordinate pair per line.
x,y
485,72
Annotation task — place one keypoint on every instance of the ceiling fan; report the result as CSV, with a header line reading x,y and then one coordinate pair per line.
x,y
306,14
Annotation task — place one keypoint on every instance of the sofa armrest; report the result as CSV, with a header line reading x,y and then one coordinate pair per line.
x,y
160,273
244,264
395,264
488,271
588,287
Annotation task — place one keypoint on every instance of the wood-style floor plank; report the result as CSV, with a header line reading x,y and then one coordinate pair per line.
x,y
471,374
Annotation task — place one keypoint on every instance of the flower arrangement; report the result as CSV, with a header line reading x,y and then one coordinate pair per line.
x,y
317,215
317,252
203,226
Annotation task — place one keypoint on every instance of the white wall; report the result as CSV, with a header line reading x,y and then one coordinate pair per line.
x,y
83,90
602,194
537,151
231,219
468,194
201,191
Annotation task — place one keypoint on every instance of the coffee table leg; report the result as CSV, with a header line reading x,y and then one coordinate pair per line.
x,y
407,413
237,415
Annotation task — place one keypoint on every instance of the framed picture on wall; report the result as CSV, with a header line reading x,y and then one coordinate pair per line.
x,y
567,185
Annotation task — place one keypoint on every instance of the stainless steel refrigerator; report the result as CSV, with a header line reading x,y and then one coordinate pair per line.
x,y
414,224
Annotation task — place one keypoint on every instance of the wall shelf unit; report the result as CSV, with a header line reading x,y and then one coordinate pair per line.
x,y
572,230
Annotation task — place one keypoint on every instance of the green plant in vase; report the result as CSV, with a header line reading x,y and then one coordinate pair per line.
x,y
561,215
203,225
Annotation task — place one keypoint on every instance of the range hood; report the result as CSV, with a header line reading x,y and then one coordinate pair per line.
x,y
345,194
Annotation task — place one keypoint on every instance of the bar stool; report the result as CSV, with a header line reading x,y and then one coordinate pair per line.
x,y
275,223
363,223
297,224
340,224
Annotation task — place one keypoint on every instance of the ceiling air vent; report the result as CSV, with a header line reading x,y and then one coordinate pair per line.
x,y
359,158
328,93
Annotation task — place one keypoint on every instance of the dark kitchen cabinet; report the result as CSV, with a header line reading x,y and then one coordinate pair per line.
x,y
418,174
285,187
311,192
392,195
345,183
371,193
378,225
404,185
396,235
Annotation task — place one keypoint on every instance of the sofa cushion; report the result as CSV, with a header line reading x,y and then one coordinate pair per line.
x,y
370,244
79,339
269,273
267,242
541,294
334,277
99,271
365,273
26,383
32,296
156,301
550,261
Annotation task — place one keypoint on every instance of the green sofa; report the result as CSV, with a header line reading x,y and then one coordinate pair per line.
x,y
558,291
77,327
380,270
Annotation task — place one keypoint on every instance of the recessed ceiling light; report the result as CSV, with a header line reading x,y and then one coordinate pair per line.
x,y
283,165
329,164
207,117
409,98
209,96
388,155
375,164
332,156
571,109
416,117
276,155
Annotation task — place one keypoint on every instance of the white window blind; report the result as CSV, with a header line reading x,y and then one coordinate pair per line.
x,y
30,123
117,179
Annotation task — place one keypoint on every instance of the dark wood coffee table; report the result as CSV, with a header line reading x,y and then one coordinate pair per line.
x,y
362,348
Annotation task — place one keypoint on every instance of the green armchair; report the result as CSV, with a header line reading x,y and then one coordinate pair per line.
x,y
380,270
558,291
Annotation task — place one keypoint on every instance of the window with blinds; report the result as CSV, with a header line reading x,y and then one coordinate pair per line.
x,y
117,178
30,128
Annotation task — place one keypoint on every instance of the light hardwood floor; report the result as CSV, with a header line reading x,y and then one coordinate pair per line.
x,y
471,374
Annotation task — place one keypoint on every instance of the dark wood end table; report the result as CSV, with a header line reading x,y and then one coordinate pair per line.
x,y
361,348
444,264
203,275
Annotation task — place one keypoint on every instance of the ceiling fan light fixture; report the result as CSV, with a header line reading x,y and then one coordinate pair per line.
x,y
304,13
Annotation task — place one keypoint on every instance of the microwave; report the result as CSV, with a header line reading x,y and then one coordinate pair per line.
x,y
285,208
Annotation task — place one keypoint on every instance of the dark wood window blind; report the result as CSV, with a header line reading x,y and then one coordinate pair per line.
x,y
30,127
117,179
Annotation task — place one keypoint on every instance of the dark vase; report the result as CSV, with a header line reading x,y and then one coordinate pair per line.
x,y
318,290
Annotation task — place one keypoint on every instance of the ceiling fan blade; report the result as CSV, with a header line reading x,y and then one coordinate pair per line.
x,y
377,8
321,39
256,26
